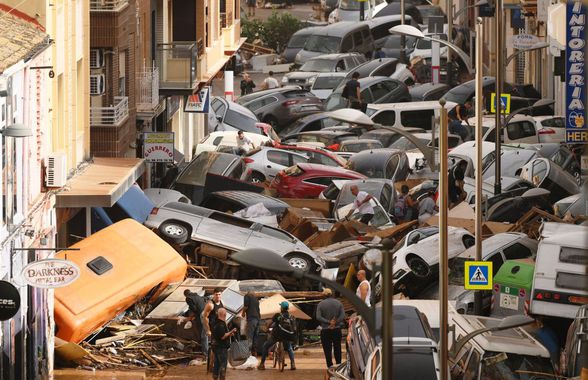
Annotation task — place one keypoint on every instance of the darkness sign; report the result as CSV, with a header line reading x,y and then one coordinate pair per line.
x,y
9,301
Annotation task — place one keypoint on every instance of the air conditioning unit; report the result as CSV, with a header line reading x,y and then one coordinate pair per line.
x,y
97,84
56,172
96,58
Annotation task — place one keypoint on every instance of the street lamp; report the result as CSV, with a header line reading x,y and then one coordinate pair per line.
x,y
537,46
462,10
409,30
267,260
505,324
16,130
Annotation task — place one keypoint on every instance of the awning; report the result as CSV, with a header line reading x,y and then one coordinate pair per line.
x,y
102,183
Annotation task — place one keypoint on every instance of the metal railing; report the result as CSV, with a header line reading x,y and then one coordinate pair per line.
x,y
226,19
107,5
148,96
112,116
176,62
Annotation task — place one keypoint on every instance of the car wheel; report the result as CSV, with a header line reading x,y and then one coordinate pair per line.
x,y
271,121
418,266
257,177
469,241
299,261
173,232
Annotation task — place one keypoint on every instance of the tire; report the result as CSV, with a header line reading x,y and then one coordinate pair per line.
x,y
418,266
300,261
257,177
174,232
469,241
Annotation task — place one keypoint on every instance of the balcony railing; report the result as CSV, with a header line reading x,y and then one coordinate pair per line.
x,y
107,5
176,62
112,116
148,96
226,19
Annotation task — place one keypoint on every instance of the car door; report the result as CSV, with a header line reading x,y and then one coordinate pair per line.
x,y
393,92
379,92
521,132
224,230
264,236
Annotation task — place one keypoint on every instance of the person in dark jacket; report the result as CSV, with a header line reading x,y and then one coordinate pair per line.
x,y
352,91
331,316
253,315
195,307
457,115
221,341
247,84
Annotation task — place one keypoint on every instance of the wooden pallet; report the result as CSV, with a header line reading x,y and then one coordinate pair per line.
x,y
256,49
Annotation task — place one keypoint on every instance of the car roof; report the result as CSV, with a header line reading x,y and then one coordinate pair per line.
x,y
404,106
258,94
565,234
331,170
334,56
368,67
368,81
427,87
338,29
233,106
249,197
408,322
326,133
375,154
307,31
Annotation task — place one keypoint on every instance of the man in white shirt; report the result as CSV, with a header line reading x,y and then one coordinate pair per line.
x,y
244,144
362,205
270,82
364,290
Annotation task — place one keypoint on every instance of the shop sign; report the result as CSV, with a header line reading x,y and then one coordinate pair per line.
x,y
576,130
9,301
524,41
158,146
50,273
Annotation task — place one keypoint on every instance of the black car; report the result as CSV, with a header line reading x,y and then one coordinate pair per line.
x,y
386,163
235,200
373,90
428,91
314,122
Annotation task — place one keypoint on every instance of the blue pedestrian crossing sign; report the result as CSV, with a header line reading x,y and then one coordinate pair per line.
x,y
504,103
478,275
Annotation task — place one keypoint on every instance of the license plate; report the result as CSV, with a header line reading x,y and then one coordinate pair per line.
x,y
509,302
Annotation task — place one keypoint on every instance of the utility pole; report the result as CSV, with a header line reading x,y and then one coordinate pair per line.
x,y
402,37
449,13
443,246
479,110
498,18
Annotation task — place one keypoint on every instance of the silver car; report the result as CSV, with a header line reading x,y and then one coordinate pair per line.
x,y
179,222
264,163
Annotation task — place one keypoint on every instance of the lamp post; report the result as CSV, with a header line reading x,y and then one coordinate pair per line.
x,y
479,135
462,10
409,30
499,79
537,46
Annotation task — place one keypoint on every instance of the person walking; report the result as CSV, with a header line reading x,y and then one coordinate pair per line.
x,y
362,205
270,82
364,289
427,207
251,4
210,315
352,92
283,326
331,316
221,342
457,115
247,84
196,305
252,316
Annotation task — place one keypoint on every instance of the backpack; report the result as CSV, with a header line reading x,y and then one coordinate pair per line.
x,y
345,93
286,328
400,207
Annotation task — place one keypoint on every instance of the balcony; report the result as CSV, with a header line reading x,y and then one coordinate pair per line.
x,y
112,116
176,62
148,95
226,19
108,5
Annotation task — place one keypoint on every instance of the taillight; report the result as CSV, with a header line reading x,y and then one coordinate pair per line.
x,y
546,131
154,211
289,103
578,300
248,160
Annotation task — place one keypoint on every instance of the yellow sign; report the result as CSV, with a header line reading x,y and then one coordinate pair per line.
x,y
478,275
504,103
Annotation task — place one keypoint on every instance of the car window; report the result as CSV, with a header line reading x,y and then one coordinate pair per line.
x,y
458,368
366,34
379,90
241,121
386,196
556,122
366,96
323,181
357,39
218,106
520,130
496,263
392,165
560,157
257,104
347,44
386,69
278,157
296,159
228,219
385,118
516,251
419,119
488,159
217,140
275,233
340,66
539,172
452,141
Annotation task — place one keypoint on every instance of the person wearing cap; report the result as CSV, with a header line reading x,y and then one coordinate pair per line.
x,y
331,316
280,322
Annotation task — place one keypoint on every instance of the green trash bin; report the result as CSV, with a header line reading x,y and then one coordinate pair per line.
x,y
511,293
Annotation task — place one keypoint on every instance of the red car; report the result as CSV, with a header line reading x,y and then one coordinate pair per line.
x,y
308,180
315,155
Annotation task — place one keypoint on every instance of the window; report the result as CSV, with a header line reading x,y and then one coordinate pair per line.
x,y
385,118
357,39
556,122
517,251
347,44
217,140
366,96
278,157
322,181
385,197
296,159
520,130
257,104
487,160
574,281
390,85
385,70
340,66
496,262
452,142
419,119
349,63
573,256
391,166
379,91
561,157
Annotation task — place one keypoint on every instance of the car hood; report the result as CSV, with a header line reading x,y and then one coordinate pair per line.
x,y
301,75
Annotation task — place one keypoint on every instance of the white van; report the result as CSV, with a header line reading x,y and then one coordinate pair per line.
x,y
410,114
560,284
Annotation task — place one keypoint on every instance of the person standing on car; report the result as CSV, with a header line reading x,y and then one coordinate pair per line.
x,y
270,82
221,342
364,289
244,144
253,316
362,205
331,315
247,85
209,315
352,92
457,116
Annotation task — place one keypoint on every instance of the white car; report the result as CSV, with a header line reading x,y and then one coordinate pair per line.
x,y
416,255
264,163
550,128
520,129
214,140
348,10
